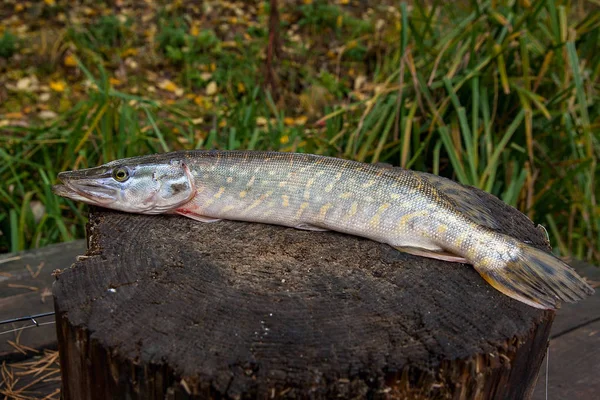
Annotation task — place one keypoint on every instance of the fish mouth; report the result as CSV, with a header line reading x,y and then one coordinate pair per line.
x,y
87,186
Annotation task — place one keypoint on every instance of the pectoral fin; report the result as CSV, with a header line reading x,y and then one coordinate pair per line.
x,y
197,217
438,255
309,227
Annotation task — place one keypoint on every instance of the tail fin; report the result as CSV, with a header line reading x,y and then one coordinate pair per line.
x,y
536,278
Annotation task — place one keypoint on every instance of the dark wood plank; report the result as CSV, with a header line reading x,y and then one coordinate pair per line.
x,y
37,377
572,316
24,292
573,366
575,348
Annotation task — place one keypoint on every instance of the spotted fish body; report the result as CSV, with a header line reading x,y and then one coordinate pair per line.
x,y
394,206
415,212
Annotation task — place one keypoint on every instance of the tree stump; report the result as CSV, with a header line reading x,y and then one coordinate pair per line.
x,y
167,307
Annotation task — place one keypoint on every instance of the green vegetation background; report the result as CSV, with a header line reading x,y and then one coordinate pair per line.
x,y
502,95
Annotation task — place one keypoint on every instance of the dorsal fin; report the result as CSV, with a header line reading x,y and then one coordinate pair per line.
x,y
464,199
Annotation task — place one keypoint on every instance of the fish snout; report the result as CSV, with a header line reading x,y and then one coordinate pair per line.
x,y
88,173
89,185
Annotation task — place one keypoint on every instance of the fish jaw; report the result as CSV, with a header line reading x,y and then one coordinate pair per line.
x,y
91,186
69,193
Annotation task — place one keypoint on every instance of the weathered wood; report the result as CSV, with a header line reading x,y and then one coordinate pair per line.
x,y
574,348
168,307
573,366
26,291
571,316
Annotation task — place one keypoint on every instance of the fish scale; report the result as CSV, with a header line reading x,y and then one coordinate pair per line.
x,y
308,191
415,212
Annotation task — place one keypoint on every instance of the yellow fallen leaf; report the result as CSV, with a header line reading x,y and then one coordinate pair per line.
x,y
359,82
194,31
301,120
284,139
58,86
47,114
24,83
213,67
19,7
199,100
223,123
38,210
129,52
14,115
307,1
168,85
115,81
211,88
50,2
241,88
261,121
340,21
69,61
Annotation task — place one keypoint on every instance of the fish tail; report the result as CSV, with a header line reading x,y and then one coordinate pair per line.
x,y
534,277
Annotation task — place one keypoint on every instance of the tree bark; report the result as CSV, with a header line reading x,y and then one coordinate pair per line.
x,y
166,307
273,49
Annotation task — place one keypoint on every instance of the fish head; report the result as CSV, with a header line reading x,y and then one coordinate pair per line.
x,y
130,185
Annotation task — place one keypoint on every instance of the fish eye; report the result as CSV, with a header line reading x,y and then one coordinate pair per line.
x,y
121,174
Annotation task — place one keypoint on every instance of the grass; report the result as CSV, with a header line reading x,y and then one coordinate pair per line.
x,y
501,95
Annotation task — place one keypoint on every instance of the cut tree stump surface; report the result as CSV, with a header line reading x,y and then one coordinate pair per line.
x,y
167,306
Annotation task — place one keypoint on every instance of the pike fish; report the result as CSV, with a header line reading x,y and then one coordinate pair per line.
x,y
415,212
